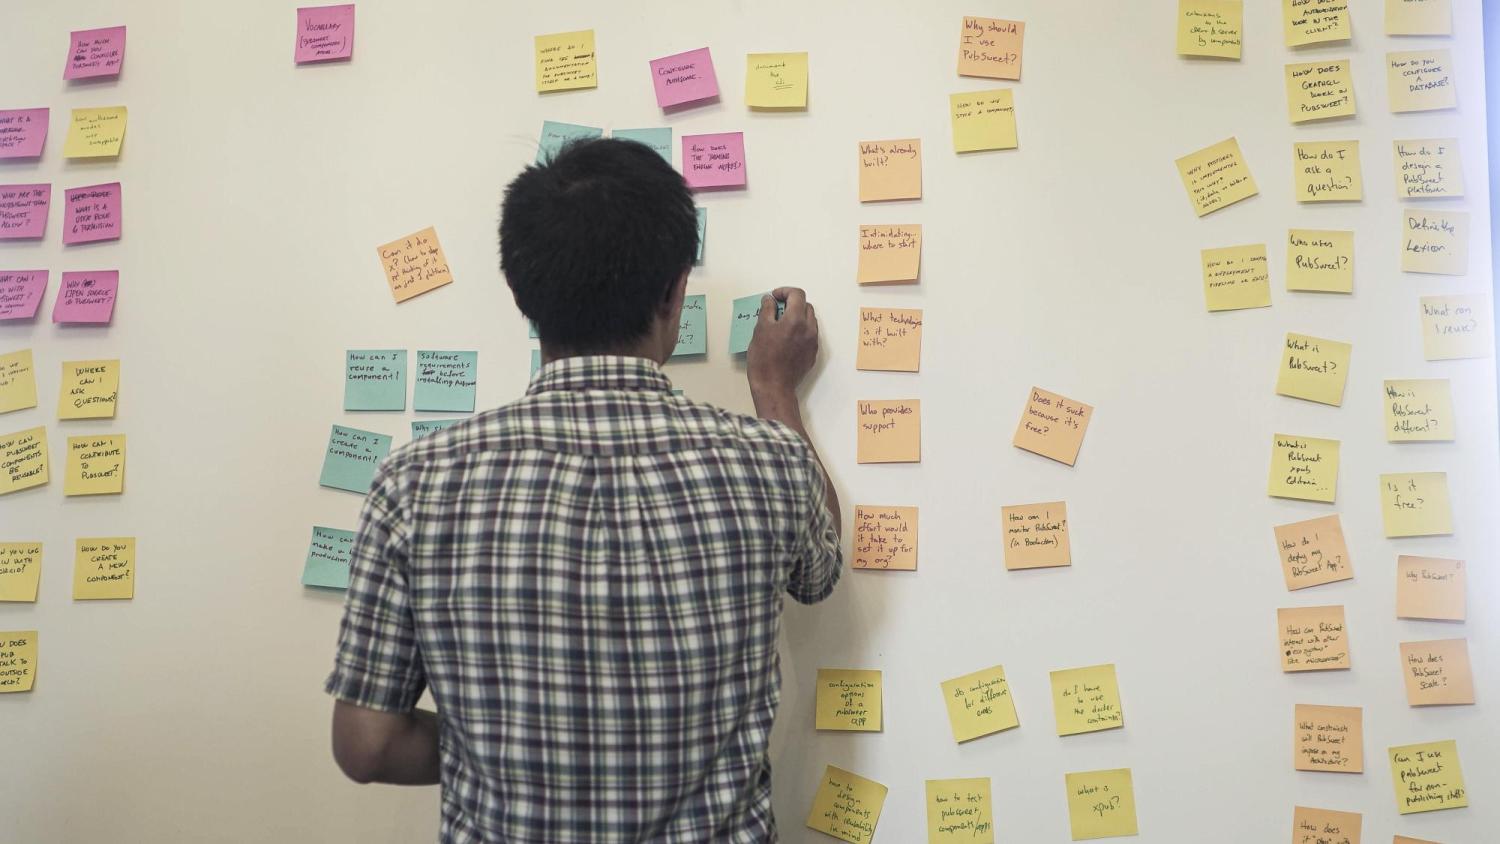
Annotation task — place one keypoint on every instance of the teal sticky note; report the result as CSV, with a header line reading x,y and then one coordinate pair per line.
x,y
530,330
692,329
445,380
328,558
375,379
351,458
554,135
742,321
536,361
660,140
423,427
702,231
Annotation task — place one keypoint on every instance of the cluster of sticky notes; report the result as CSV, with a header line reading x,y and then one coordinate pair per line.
x,y
86,298
1427,777
889,254
1313,638
983,120
1216,177
1428,168
1236,277
991,48
23,460
1036,535
1435,242
90,389
1418,17
885,538
23,132
1313,368
1431,588
714,161
1437,672
92,214
890,170
95,465
1053,426
565,61
1420,80
890,340
20,570
1086,700
104,568
1315,21
889,431
1415,504
17,660
21,293
95,53
23,211
1319,91
1101,804
1304,468
328,554
375,379
979,704
1210,28
776,80
960,811
846,806
17,381
1455,327
684,78
351,458
95,132
445,380
1320,261
1313,552
692,327
1315,826
1328,738
324,33
415,264
848,699
1328,171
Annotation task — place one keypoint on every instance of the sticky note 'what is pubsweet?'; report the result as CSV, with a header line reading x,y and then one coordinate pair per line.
x,y
1313,368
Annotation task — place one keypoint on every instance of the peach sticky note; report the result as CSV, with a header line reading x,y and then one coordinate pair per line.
x,y
960,811
1325,826
1315,21
983,120
1435,242
1053,426
415,264
23,459
889,254
20,570
1305,468
1428,168
847,806
1320,261
890,340
1312,638
1036,535
1313,552
95,465
1086,700
979,704
1101,804
1319,91
1236,277
1415,504
1210,28
565,61
17,381
889,431
890,170
991,48
885,538
1313,368
1427,777
848,699
1418,17
1421,80
1455,327
1430,588
89,389
17,660
104,568
1216,176
1437,672
95,132
776,80
1328,171
1328,738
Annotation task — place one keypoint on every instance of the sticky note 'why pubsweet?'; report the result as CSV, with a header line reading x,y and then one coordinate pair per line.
x,y
95,132
89,389
885,538
890,170
714,161
324,33
565,61
1320,261
1431,588
1415,504
1086,700
1304,468
1427,777
17,381
890,340
414,264
1313,368
20,571
847,806
1313,552
1101,804
1328,738
1312,638
1216,177
1236,277
328,554
104,568
991,48
1052,426
776,80
23,460
1035,535
848,699
979,704
960,811
983,120
1210,28
684,78
889,254
17,660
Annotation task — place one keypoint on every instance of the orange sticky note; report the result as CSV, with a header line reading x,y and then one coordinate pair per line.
x,y
1053,426
1430,588
1036,535
890,170
415,264
1437,672
885,538
889,431
1313,552
1328,738
889,254
890,339
1313,638
1325,826
991,48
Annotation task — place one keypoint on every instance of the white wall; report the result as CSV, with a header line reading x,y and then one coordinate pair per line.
x,y
255,193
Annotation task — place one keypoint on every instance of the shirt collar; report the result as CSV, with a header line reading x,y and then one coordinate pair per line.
x,y
600,372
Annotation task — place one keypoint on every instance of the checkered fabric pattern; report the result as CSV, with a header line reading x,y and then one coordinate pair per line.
x,y
590,581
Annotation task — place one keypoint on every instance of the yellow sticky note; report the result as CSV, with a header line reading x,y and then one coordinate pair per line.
x,y
95,132
89,389
1236,277
1320,261
890,340
1427,777
415,264
23,459
1328,171
1418,17
1435,242
1455,327
1319,91
885,538
1315,21
1428,168
17,660
566,61
104,568
1053,426
1328,738
847,806
1036,535
1216,177
20,570
1313,552
1211,28
983,120
1431,588
1305,468
960,811
890,254
1312,638
1420,80
890,170
1437,672
1418,410
1101,804
95,466
889,431
1325,826
17,381
1415,504
1405,839
1313,368
848,699
1086,700
979,704
776,80
991,48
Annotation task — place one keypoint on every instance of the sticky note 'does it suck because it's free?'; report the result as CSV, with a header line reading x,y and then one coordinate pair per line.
x,y
1052,426
1304,468
979,704
1101,804
848,699
1210,28
847,806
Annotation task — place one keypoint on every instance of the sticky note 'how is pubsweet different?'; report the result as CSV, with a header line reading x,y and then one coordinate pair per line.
x,y
17,381
1236,277
104,568
414,264
86,298
1420,81
565,61
684,78
1313,552
23,460
889,254
1435,242
445,381
991,48
1328,738
848,699
1428,169
1437,672
1101,804
1427,777
324,33
1455,327
1052,426
1319,91
1325,826
890,170
375,379
960,811
95,465
1328,171
1313,368
89,389
21,293
1314,21
1086,700
1431,588
328,555
20,571
17,660
92,214
1036,535
1320,261
1312,638
983,120
95,132
95,53
846,806
23,132
776,80
889,431
1418,17
1304,468
890,340
885,538
1415,504
714,161
979,704
352,455
23,211
1210,28
1216,177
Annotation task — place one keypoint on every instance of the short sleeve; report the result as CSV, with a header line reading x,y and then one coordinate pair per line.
x,y
817,560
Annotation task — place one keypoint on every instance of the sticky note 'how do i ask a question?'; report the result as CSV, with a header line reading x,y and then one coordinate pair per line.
x,y
1328,171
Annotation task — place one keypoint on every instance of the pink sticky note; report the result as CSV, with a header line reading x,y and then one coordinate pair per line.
x,y
325,33
23,210
22,132
714,161
95,52
87,297
20,292
684,78
91,213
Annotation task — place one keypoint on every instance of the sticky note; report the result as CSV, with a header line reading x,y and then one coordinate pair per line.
x,y
1437,672
1319,91
89,389
692,327
17,381
659,139
95,52
104,568
1418,17
1305,468
1404,839
87,298
328,558
702,214
885,538
1053,426
1313,552
684,78
1317,826
352,457
848,699
1428,168
1315,21
92,214
889,254
1431,588
1427,777
324,33
1328,171
1312,638
744,313
1101,804
20,571
983,120
23,132
95,465
1415,504
1455,327
445,380
1418,410
556,135
890,340
1420,80
1320,261
565,61
979,704
1036,535
23,211
1328,738
423,427
375,379
714,161
776,80
1210,28
991,48
536,361
890,170
95,132
1435,242
1313,368
415,264
17,660
23,460
889,431
1236,277
21,293
1216,177
847,806
960,811
1086,700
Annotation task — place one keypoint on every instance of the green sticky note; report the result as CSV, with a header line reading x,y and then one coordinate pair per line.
x,y
692,329
531,330
351,458
445,380
423,427
702,231
536,361
554,135
742,321
375,379
660,140
328,558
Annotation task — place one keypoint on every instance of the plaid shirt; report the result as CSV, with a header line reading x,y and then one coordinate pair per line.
x,y
589,580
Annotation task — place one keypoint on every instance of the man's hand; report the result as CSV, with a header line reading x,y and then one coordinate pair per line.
x,y
782,350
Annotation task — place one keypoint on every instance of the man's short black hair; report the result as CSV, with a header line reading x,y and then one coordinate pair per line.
x,y
592,241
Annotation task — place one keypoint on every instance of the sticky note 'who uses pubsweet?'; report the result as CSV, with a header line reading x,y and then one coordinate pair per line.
x,y
847,806
885,538
1320,261
1236,277
979,704
104,568
848,699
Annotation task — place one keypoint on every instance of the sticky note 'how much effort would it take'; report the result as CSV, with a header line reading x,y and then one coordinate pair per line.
x,y
885,538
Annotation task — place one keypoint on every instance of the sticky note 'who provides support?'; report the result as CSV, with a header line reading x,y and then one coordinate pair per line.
x,y
889,431
104,568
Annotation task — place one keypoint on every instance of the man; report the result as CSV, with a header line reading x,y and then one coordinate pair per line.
x,y
589,579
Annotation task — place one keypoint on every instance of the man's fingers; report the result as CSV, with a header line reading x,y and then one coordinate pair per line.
x,y
767,310
794,297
